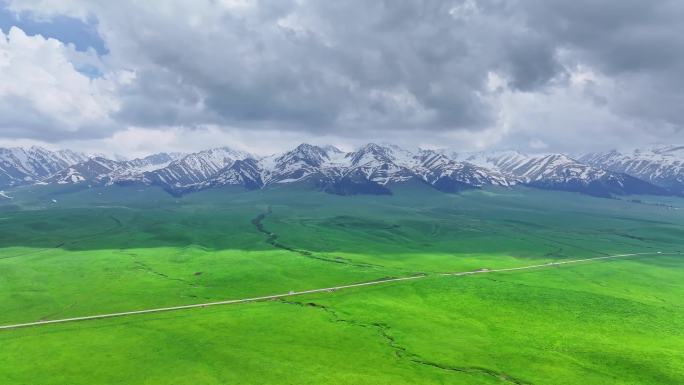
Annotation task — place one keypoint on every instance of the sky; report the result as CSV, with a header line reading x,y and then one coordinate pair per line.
x,y
136,77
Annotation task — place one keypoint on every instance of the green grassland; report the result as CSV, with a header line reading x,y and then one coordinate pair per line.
x,y
93,251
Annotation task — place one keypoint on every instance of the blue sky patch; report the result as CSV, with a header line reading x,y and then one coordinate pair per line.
x,y
82,35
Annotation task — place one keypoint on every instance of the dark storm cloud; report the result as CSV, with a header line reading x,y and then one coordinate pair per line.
x,y
616,35
636,43
531,63
325,65
356,66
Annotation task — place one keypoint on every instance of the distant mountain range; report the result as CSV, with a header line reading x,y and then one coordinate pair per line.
x,y
662,166
21,166
372,169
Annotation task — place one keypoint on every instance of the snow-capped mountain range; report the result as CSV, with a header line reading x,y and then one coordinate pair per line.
x,y
27,165
100,170
371,169
661,165
560,172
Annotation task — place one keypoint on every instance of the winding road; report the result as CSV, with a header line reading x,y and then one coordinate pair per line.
x,y
323,290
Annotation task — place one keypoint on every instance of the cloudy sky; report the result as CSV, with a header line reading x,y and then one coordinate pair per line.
x,y
135,77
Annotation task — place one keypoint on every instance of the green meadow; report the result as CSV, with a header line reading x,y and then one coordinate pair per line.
x,y
68,252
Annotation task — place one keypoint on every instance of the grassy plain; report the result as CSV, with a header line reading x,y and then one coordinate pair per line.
x,y
117,249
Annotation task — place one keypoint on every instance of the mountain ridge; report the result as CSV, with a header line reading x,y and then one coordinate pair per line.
x,y
661,165
370,169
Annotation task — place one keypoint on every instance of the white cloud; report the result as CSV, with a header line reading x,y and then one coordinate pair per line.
x,y
42,94
574,112
139,141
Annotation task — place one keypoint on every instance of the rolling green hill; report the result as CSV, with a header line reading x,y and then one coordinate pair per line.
x,y
68,252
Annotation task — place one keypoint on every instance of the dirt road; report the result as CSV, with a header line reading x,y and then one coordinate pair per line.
x,y
322,290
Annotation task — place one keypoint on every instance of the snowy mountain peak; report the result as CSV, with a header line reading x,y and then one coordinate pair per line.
x,y
296,164
307,153
371,153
